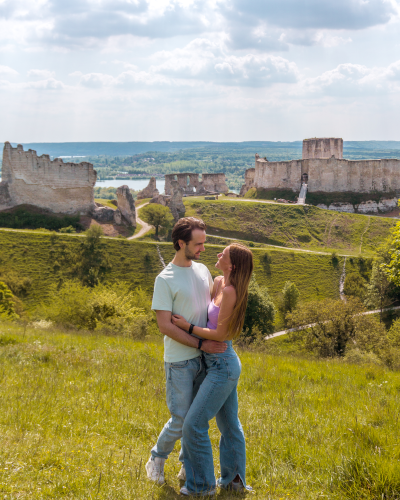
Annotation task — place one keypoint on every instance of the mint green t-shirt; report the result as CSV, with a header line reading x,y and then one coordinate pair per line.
x,y
185,291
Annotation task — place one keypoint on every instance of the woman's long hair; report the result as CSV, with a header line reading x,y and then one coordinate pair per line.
x,y
242,268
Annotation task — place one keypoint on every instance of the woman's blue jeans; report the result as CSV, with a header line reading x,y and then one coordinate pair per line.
x,y
217,397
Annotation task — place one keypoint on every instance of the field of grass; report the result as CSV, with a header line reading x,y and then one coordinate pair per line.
x,y
105,202
35,256
293,226
80,414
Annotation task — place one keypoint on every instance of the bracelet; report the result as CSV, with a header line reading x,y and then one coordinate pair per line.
x,y
200,343
191,329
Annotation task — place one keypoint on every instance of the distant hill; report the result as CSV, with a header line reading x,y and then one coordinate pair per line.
x,y
132,148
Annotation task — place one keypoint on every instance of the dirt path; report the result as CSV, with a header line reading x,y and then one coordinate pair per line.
x,y
285,332
282,248
145,227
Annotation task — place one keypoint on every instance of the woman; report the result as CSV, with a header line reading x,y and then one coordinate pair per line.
x,y
217,396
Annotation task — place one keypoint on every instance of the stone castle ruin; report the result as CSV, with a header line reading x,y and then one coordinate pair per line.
x,y
190,183
322,169
183,184
28,179
57,187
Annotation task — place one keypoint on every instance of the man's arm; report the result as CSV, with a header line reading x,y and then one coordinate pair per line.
x,y
175,333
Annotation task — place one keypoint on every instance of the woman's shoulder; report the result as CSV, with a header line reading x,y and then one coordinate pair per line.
x,y
229,291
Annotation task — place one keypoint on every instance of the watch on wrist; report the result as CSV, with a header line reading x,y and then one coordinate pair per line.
x,y
191,329
200,343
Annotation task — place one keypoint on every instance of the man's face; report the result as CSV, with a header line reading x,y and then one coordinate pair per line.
x,y
195,245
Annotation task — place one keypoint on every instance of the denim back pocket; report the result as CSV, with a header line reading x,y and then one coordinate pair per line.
x,y
233,367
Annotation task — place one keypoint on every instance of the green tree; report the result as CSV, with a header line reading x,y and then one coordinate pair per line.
x,y
157,215
260,312
328,325
290,298
7,305
355,286
392,268
378,288
92,259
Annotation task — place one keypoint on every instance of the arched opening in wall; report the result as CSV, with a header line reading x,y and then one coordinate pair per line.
x,y
304,179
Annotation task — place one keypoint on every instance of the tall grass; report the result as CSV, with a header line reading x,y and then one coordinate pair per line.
x,y
80,413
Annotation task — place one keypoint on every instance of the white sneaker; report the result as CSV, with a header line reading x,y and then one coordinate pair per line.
x,y
186,492
155,469
182,473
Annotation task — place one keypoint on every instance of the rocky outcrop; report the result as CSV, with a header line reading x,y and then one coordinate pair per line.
x,y
124,214
150,191
174,201
126,205
365,207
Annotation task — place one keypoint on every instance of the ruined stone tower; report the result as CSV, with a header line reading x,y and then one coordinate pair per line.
x,y
322,148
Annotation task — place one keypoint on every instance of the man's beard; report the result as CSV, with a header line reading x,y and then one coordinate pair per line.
x,y
189,255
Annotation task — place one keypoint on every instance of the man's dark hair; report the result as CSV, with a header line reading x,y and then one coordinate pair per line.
x,y
183,230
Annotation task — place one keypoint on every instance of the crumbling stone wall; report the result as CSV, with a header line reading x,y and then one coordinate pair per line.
x,y
126,205
190,183
248,181
214,183
322,148
50,184
150,191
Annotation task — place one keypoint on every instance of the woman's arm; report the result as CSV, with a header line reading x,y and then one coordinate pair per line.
x,y
225,313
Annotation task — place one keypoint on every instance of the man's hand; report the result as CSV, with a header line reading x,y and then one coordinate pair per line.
x,y
213,347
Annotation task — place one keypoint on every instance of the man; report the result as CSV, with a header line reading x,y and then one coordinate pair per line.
x,y
184,287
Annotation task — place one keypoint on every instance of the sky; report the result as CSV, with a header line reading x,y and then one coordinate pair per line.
x,y
207,70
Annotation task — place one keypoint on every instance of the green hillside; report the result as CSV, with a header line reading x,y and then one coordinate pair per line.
x,y
80,414
293,226
35,255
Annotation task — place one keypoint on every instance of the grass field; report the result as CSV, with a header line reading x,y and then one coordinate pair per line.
x,y
80,414
292,225
35,255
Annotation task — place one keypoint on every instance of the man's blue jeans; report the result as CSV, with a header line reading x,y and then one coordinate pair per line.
x,y
217,397
183,380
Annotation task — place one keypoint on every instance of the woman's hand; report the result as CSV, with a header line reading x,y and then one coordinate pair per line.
x,y
180,321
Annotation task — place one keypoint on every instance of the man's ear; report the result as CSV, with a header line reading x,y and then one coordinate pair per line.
x,y
181,243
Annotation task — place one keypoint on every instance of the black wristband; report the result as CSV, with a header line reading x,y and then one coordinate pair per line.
x,y
191,329
200,343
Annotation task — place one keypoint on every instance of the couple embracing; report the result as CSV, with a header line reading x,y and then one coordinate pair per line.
x,y
199,319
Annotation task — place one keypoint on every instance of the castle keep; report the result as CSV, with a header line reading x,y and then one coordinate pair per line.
x,y
323,170
49,184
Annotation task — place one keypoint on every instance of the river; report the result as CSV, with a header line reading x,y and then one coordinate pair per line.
x,y
136,184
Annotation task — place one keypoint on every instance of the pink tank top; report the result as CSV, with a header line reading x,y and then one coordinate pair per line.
x,y
213,312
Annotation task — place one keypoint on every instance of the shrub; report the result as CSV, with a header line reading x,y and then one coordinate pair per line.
x,y
327,325
7,303
289,298
355,286
260,312
111,310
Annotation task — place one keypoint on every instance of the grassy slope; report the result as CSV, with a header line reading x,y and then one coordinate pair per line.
x,y
33,255
80,414
291,225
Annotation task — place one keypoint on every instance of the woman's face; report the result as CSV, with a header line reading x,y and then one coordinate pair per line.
x,y
224,261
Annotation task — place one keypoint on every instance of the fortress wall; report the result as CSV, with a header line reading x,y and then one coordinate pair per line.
x,y
330,175
361,176
278,174
53,185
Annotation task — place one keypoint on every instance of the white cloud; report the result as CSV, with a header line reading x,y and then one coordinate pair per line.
x,y
6,71
40,73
